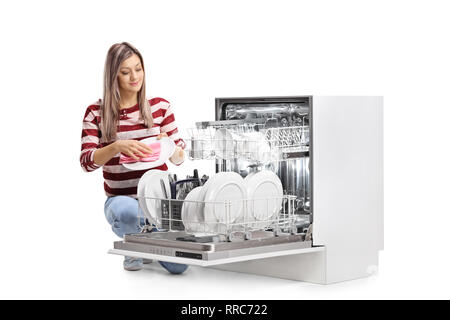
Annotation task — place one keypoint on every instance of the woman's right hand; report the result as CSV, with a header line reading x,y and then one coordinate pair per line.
x,y
133,148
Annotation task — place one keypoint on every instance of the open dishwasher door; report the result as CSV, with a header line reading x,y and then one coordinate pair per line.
x,y
168,247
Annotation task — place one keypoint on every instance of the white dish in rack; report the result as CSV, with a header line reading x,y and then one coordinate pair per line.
x,y
189,210
265,194
250,145
150,186
222,188
224,143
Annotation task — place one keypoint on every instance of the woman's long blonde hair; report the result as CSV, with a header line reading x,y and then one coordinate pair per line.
x,y
109,107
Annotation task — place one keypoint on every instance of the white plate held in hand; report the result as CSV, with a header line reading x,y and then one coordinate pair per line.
x,y
167,149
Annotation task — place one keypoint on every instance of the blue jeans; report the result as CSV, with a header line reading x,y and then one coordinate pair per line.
x,y
125,216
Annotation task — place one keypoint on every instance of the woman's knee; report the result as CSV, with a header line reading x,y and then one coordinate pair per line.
x,y
124,209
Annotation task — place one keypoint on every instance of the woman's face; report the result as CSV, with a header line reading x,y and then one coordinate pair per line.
x,y
131,74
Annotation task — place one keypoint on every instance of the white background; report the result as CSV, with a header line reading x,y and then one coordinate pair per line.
x,y
54,237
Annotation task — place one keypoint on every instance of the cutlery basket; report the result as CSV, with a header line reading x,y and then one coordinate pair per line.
x,y
173,208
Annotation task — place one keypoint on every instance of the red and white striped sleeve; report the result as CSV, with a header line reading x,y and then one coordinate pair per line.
x,y
169,126
90,139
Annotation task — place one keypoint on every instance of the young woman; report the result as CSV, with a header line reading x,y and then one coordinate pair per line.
x,y
114,126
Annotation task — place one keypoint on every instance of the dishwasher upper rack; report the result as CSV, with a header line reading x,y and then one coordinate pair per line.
x,y
275,214
255,142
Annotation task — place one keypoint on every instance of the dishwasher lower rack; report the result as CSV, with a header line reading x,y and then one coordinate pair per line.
x,y
231,220
266,227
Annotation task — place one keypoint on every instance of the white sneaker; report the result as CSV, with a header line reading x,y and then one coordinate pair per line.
x,y
132,264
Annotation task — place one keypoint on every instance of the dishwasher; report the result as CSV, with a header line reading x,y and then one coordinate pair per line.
x,y
327,152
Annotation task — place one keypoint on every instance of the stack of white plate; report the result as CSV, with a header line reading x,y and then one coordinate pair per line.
x,y
228,202
225,202
220,203
265,194
149,192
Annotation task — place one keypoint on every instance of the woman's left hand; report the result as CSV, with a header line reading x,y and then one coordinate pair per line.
x,y
178,156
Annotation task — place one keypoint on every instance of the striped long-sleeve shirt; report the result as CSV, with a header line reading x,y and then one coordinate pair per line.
x,y
118,179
